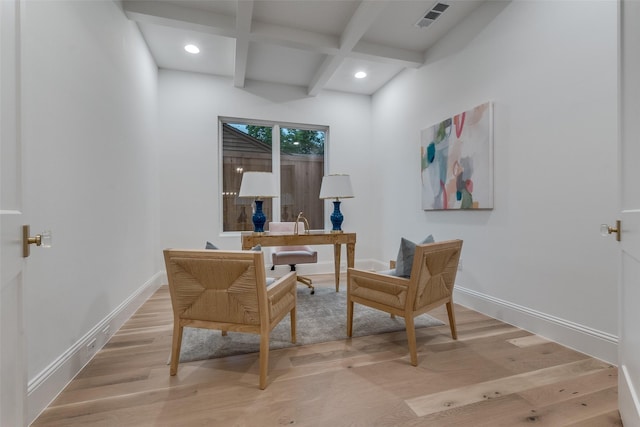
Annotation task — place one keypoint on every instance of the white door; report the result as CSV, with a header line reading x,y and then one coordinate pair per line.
x,y
629,343
13,374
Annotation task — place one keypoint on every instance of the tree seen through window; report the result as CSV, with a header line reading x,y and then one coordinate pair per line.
x,y
249,148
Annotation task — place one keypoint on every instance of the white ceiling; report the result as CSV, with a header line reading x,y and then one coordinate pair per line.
x,y
316,44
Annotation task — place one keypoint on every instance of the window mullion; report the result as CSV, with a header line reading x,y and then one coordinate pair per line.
x,y
275,167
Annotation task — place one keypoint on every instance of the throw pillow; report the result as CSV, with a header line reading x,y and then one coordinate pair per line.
x,y
404,261
390,272
210,245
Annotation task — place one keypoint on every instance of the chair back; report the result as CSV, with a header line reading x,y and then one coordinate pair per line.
x,y
433,273
217,286
287,228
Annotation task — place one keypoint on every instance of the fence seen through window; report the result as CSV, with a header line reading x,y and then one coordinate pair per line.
x,y
294,153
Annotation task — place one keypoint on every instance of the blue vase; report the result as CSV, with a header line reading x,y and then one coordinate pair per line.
x,y
336,217
258,218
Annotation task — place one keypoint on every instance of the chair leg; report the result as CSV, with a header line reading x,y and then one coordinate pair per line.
x,y
306,281
175,347
292,315
224,333
264,359
452,320
411,338
349,318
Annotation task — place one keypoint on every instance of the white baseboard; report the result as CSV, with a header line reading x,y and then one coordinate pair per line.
x,y
598,344
595,343
629,401
44,387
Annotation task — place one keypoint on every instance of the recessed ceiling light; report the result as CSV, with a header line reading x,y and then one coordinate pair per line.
x,y
191,48
360,75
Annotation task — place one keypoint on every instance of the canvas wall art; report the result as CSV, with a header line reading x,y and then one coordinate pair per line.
x,y
457,161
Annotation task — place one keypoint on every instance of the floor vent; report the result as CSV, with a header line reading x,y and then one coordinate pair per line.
x,y
431,15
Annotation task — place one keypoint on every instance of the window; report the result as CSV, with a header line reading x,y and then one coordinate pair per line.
x,y
294,153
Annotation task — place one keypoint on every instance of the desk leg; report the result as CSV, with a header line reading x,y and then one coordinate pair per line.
x,y
336,264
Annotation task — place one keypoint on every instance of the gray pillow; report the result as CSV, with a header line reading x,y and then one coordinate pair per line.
x,y
390,272
210,245
404,261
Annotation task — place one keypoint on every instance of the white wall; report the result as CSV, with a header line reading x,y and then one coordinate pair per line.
x,y
89,127
116,186
537,258
190,105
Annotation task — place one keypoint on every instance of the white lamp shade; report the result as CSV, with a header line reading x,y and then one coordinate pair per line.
x,y
258,185
336,187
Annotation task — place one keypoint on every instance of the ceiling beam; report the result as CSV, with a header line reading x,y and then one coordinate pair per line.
x,y
294,38
244,15
169,15
364,16
387,54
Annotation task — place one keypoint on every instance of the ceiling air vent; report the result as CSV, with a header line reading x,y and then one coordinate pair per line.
x,y
431,15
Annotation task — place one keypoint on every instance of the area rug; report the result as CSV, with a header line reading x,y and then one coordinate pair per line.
x,y
320,317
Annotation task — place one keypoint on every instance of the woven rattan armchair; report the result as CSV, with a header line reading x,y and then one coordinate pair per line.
x,y
227,290
430,285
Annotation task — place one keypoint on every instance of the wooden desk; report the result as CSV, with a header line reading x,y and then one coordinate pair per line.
x,y
313,237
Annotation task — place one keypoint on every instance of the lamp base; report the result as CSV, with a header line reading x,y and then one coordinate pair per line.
x,y
336,231
258,218
336,217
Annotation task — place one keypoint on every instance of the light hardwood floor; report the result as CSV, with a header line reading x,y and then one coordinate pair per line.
x,y
493,375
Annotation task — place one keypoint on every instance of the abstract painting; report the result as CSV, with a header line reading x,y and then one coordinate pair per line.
x,y
457,161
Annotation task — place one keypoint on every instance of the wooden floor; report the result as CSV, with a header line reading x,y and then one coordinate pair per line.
x,y
493,375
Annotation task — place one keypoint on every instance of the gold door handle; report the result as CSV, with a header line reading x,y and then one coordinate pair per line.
x,y
606,229
43,239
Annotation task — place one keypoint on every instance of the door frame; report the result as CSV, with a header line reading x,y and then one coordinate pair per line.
x,y
629,211
13,360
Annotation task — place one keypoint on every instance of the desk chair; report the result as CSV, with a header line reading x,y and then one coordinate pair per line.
x,y
292,255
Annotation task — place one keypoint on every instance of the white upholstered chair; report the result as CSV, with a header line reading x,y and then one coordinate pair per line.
x,y
292,255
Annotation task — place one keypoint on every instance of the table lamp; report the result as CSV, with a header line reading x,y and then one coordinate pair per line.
x,y
336,187
259,186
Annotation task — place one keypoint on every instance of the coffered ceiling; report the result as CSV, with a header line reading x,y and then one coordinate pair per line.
x,y
316,44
